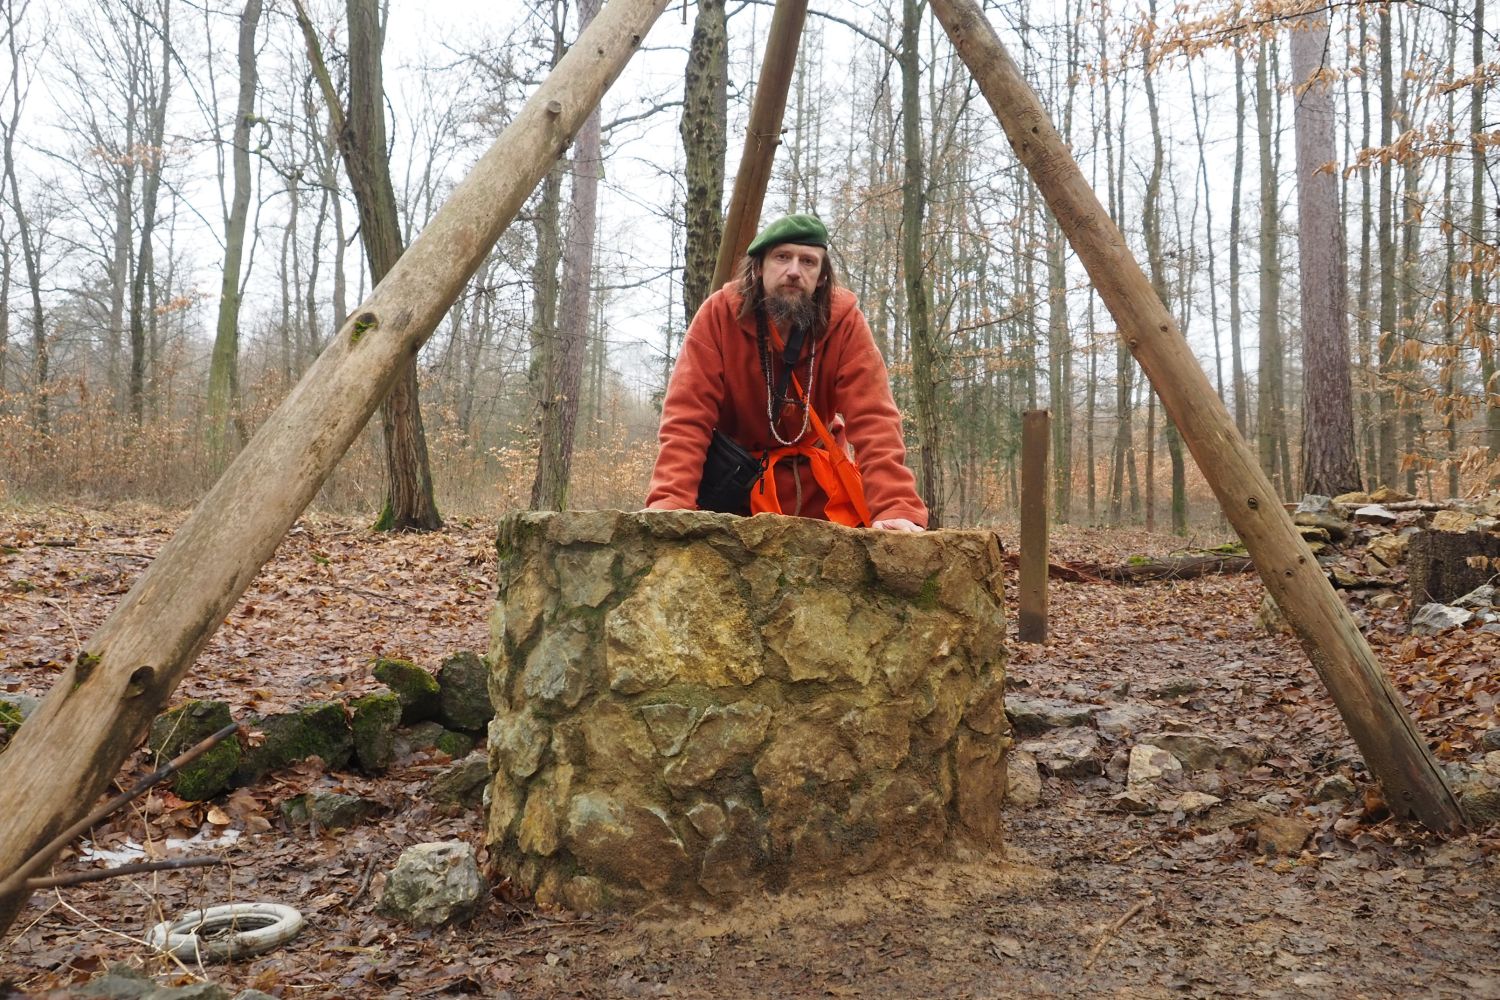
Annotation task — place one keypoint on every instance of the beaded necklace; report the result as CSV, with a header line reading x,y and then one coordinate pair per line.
x,y
774,399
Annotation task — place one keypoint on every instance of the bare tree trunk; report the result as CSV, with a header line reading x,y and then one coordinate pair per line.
x,y
1270,414
1385,472
1236,349
1329,465
223,370
704,141
151,168
409,504
1486,335
31,252
926,368
549,490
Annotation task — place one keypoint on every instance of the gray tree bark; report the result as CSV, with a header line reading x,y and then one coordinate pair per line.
x,y
223,370
1329,465
704,143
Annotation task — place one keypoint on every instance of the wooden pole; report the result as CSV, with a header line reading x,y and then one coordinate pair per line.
x,y
762,138
99,710
1032,624
1390,743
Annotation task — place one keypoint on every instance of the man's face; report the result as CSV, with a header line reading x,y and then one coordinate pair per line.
x,y
791,271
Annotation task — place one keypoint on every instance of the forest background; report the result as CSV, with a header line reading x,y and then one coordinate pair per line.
x,y
196,194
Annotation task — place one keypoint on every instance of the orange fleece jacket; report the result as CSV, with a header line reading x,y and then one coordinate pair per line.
x,y
718,382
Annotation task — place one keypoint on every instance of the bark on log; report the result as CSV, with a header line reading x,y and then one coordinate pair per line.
x,y
101,707
1185,567
1443,566
1390,743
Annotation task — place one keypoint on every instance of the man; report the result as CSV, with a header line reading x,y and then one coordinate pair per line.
x,y
733,362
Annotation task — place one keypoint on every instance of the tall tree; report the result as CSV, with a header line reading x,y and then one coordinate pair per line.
x,y
564,371
409,504
223,371
1329,465
31,252
1270,416
1485,333
153,159
704,140
927,372
1385,471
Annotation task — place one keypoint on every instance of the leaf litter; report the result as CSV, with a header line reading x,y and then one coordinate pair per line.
x,y
1084,899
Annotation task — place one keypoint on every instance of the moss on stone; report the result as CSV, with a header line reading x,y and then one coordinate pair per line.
x,y
455,744
927,597
184,726
416,688
374,718
319,730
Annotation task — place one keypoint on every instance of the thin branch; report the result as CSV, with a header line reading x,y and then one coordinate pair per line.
x,y
98,875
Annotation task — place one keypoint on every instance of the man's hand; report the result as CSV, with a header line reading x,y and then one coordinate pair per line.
x,y
896,524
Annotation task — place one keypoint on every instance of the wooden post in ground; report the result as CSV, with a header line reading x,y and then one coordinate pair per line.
x,y
1032,620
98,711
1390,743
761,138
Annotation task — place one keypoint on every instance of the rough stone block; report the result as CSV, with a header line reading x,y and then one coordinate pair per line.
x,y
185,726
699,707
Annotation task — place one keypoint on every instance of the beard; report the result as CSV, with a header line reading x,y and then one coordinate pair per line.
x,y
792,311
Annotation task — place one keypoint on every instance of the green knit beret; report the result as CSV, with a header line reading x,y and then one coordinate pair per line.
x,y
802,229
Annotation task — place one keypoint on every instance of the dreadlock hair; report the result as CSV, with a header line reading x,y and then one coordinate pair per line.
x,y
753,292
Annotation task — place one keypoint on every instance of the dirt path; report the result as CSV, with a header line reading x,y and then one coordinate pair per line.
x,y
1087,900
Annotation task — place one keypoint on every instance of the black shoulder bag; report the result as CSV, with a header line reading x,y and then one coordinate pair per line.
x,y
730,470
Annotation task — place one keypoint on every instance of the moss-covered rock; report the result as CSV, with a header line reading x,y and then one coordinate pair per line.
x,y
374,720
184,726
464,683
10,720
433,736
418,690
319,730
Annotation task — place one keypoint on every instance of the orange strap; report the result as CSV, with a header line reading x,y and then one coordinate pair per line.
x,y
833,470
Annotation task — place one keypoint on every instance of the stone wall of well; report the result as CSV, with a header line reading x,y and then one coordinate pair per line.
x,y
696,706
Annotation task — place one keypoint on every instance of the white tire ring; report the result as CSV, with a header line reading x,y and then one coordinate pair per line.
x,y
230,931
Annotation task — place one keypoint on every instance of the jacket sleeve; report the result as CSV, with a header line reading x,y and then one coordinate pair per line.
x,y
689,412
873,426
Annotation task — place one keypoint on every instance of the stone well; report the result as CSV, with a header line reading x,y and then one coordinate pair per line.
x,y
696,706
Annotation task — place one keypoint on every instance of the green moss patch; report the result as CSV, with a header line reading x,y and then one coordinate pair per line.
x,y
180,729
420,696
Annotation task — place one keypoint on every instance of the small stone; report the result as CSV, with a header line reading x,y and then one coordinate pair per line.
x,y
1333,788
1478,598
1490,739
461,785
1068,753
1315,503
1337,527
1149,763
1385,601
120,982
1191,803
1453,520
464,693
1385,494
1270,618
253,995
1389,549
1023,782
1123,720
625,840
416,688
1176,687
1203,751
1432,619
1356,499
1374,514
725,734
1035,715
329,810
1282,835
433,885
1135,799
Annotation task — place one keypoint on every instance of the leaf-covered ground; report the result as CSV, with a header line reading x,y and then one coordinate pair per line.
x,y
1086,900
